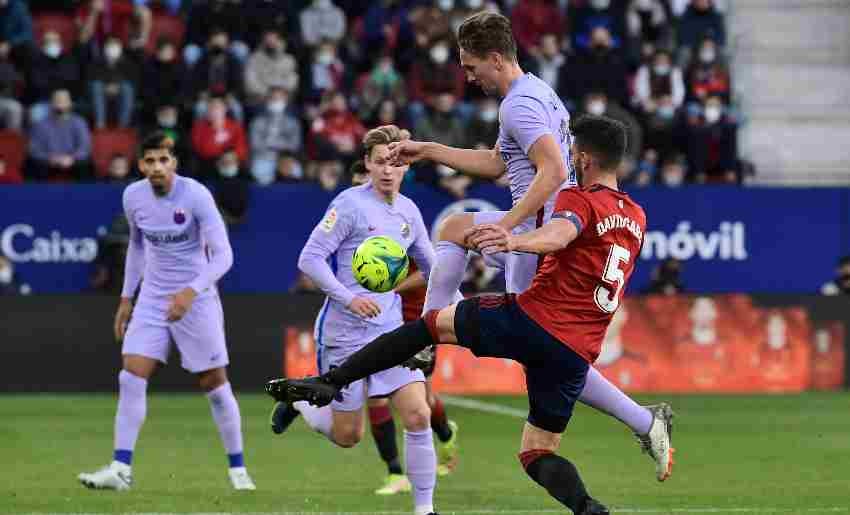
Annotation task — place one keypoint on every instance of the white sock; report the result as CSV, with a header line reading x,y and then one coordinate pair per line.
x,y
319,419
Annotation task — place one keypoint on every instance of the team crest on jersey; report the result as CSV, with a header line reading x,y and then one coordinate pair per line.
x,y
328,223
179,216
405,230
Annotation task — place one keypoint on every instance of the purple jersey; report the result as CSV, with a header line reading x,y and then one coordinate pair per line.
x,y
531,109
354,215
176,240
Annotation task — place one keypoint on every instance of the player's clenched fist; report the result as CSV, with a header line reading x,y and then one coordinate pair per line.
x,y
405,152
122,316
180,304
489,238
365,307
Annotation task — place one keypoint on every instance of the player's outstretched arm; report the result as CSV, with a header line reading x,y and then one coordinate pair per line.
x,y
551,174
478,163
552,237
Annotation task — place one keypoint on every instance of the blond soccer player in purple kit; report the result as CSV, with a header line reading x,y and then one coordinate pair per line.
x,y
533,148
353,316
179,245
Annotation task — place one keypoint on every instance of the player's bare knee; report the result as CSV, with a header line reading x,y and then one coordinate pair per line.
x,y
212,379
453,227
536,439
347,437
418,417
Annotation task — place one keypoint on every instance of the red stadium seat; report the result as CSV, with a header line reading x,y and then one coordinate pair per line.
x,y
61,23
164,24
108,142
13,149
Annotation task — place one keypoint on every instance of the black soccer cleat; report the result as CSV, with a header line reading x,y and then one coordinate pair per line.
x,y
594,507
282,416
315,390
424,360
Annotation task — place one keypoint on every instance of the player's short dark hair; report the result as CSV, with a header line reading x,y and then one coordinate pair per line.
x,y
487,32
603,137
157,140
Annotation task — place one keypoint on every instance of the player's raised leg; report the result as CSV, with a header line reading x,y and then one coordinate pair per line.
x,y
450,263
382,424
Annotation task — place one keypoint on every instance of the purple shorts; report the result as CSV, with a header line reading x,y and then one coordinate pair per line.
x,y
199,335
333,352
519,267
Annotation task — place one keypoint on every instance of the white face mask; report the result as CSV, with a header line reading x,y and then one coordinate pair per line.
x,y
112,52
53,50
712,114
643,5
323,4
661,69
446,5
474,4
707,55
489,114
596,108
325,58
440,54
169,122
5,275
228,171
277,106
600,4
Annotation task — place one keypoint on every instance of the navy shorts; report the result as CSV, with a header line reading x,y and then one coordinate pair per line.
x,y
495,326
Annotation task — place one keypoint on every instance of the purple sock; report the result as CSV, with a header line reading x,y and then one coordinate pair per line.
x,y
421,465
446,275
225,412
601,394
132,407
319,419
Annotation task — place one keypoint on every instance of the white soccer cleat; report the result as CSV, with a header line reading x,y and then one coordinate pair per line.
x,y
657,443
115,476
240,479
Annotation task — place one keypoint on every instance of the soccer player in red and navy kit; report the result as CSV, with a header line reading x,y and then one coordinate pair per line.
x,y
555,328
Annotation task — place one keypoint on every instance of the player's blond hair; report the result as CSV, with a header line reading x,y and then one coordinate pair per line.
x,y
383,135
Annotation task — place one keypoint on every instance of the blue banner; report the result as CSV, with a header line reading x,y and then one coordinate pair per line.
x,y
729,239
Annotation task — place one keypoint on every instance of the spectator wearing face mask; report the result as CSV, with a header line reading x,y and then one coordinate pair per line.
x,y
531,19
673,171
841,284
289,169
712,144
708,74
699,21
216,134
8,285
327,72
431,77
659,126
60,146
167,120
596,69
584,18
383,82
549,62
483,129
322,21
270,66
217,73
54,67
273,132
387,113
210,16
113,79
336,128
232,190
165,77
659,80
598,104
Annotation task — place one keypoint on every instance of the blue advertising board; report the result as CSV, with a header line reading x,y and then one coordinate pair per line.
x,y
754,240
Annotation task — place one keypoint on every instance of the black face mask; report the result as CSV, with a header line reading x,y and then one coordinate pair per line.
x,y
216,51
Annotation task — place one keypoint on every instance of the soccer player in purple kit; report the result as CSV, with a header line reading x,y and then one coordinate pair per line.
x,y
533,148
352,316
179,243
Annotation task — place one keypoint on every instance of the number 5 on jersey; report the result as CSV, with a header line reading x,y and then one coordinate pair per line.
x,y
612,275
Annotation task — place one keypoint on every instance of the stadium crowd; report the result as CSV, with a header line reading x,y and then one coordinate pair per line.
x,y
268,91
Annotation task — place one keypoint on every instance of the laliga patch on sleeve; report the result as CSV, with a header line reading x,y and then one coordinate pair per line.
x,y
328,223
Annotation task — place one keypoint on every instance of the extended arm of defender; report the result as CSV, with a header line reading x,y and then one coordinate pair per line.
x,y
551,173
475,162
552,237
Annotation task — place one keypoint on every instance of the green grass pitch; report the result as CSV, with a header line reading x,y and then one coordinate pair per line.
x,y
754,454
